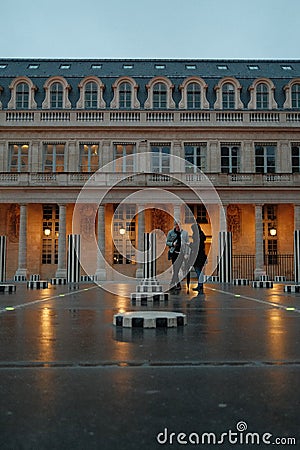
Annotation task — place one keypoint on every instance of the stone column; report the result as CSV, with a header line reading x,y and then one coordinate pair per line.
x,y
61,266
259,243
297,217
176,213
22,255
141,232
101,267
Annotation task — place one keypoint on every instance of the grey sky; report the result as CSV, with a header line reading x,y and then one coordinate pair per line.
x,y
150,29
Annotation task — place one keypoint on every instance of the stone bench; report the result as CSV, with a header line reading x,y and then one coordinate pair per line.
x,y
150,319
292,288
241,282
262,284
37,284
7,288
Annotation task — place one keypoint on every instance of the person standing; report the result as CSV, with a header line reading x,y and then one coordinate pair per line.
x,y
198,256
177,241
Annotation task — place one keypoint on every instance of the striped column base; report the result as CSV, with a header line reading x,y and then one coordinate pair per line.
x,y
279,279
264,278
241,282
58,281
37,284
292,288
145,288
148,297
87,278
262,284
35,277
19,278
149,282
211,279
150,319
7,288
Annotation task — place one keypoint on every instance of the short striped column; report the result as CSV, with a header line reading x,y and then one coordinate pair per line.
x,y
292,288
2,259
241,282
225,252
149,268
34,277
149,289
297,255
73,266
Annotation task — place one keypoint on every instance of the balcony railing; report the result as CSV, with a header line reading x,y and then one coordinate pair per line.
x,y
238,180
178,118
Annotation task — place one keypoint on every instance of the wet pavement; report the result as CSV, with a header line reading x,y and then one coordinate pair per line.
x,y
70,379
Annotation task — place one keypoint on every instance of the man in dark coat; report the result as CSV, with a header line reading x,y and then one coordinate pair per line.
x,y
198,256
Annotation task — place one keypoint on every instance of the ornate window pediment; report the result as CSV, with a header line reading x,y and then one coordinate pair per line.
x,y
160,94
228,94
292,94
193,94
262,94
22,94
125,94
91,94
56,94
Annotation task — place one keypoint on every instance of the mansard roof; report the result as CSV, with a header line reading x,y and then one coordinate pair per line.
x,y
149,68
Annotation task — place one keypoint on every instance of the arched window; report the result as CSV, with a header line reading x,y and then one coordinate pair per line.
x,y
22,96
228,96
262,96
193,96
56,93
90,95
159,96
56,96
296,96
125,94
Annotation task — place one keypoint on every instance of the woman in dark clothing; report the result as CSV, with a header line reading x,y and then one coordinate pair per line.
x,y
177,241
198,256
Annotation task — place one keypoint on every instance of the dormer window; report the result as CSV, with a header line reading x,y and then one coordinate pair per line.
x,y
228,96
65,66
56,96
160,66
262,96
56,93
125,93
222,67
159,94
22,96
33,66
127,66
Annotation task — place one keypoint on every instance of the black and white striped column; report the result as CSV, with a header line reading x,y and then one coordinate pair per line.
x,y
149,269
297,255
2,259
73,267
225,252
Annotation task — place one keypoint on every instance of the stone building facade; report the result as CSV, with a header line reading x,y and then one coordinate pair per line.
x,y
131,126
